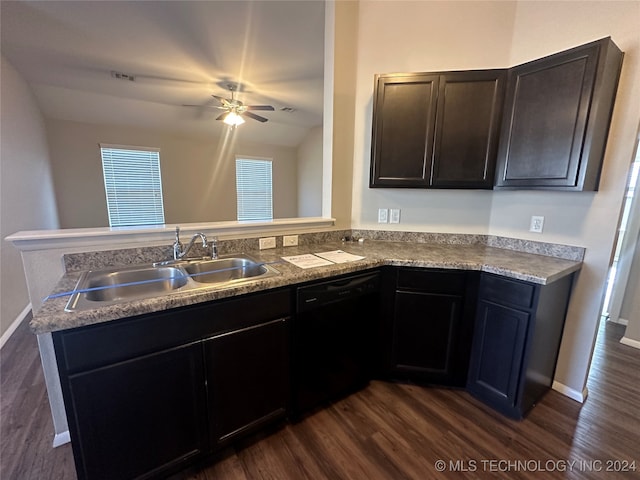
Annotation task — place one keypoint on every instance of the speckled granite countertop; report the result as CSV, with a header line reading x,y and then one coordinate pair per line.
x,y
523,266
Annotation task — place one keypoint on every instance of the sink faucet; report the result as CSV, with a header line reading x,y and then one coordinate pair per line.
x,y
179,253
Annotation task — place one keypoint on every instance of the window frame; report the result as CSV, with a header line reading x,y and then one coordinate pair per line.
x,y
242,215
121,213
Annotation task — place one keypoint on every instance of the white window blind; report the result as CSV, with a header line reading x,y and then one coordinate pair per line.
x,y
133,186
253,186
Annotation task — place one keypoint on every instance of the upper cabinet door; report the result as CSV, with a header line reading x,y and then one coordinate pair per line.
x,y
436,130
467,128
556,119
404,113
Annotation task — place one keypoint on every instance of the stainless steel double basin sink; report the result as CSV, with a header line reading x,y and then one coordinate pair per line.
x,y
97,288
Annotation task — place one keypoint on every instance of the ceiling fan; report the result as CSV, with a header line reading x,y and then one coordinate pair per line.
x,y
235,110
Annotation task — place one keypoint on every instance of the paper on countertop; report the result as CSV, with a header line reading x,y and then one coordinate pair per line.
x,y
338,256
308,260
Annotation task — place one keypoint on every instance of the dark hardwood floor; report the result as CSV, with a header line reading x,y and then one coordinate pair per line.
x,y
386,431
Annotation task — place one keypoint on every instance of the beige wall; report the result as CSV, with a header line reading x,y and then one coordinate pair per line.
x,y
585,219
345,54
26,192
631,304
198,174
399,36
310,174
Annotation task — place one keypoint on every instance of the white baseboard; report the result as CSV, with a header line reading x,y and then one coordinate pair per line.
x,y
61,439
619,321
630,342
12,328
577,395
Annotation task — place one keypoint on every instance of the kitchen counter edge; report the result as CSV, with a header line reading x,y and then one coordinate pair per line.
x,y
528,267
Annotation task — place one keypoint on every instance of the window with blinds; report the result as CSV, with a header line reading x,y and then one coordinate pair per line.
x,y
253,187
133,185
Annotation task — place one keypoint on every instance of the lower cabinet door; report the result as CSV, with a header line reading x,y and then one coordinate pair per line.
x,y
497,355
139,418
247,378
425,336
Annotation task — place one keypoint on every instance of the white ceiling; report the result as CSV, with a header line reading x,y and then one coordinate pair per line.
x,y
180,52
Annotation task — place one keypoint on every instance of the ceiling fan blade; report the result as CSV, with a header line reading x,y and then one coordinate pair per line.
x,y
225,102
260,107
222,116
217,107
255,117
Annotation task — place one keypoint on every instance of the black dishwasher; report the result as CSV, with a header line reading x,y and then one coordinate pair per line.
x,y
334,334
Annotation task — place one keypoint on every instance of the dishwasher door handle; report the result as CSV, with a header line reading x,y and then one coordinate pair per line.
x,y
325,293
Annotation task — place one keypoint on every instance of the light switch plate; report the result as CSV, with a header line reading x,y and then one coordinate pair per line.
x,y
537,224
267,242
395,215
383,215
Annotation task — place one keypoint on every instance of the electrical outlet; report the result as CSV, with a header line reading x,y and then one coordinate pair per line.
x,y
290,240
537,223
267,242
395,215
383,215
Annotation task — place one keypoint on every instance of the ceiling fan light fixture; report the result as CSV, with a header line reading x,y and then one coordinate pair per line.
x,y
233,119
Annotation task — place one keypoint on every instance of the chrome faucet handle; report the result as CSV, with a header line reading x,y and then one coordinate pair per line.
x,y
177,246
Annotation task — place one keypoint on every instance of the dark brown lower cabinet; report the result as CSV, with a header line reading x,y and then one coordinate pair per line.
x,y
431,324
516,340
498,352
247,379
140,417
149,395
425,327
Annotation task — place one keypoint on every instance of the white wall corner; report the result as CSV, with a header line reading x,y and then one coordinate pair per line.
x,y
14,325
630,342
577,395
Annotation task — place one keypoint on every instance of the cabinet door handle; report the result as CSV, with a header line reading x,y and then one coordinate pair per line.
x,y
245,329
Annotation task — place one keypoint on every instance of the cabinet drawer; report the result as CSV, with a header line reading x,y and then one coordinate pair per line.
x,y
432,281
96,345
506,291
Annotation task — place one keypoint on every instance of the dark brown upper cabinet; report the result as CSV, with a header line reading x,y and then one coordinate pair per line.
x,y
436,130
556,119
404,116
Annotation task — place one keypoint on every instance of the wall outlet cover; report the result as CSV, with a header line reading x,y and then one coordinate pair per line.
x,y
290,240
395,215
267,242
537,224
383,215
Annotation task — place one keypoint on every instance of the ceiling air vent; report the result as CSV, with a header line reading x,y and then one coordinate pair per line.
x,y
122,76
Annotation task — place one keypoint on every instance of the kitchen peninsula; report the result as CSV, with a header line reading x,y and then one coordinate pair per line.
x,y
105,353
533,262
